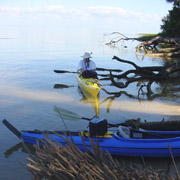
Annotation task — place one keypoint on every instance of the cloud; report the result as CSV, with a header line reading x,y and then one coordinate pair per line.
x,y
119,14
98,12
38,11
9,11
47,10
108,12
99,17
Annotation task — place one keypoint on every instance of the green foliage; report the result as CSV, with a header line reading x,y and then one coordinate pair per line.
x,y
171,23
175,2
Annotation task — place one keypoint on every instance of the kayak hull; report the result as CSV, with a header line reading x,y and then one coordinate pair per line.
x,y
114,144
89,86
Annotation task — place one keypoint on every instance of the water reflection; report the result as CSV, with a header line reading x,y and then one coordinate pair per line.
x,y
61,86
110,99
169,89
93,100
145,107
23,147
38,95
132,104
13,149
164,92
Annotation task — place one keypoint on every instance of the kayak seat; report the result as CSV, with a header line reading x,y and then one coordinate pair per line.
x,y
124,131
127,132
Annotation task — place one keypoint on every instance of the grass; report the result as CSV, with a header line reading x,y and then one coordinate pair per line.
x,y
56,162
146,37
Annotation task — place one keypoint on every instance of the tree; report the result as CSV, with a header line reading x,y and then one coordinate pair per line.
x,y
171,23
175,2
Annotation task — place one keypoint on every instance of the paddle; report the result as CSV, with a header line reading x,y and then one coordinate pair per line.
x,y
69,115
66,114
103,69
98,69
12,128
64,71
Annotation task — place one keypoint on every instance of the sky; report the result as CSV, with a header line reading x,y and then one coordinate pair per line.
x,y
125,16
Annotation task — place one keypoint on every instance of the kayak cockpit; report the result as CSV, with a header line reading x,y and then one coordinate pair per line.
x,y
129,133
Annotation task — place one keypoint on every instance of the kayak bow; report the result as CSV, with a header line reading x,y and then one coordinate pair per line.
x,y
89,85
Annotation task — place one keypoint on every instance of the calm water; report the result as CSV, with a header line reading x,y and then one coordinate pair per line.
x,y
27,61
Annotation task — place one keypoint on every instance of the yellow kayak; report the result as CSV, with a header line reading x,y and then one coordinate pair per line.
x,y
89,85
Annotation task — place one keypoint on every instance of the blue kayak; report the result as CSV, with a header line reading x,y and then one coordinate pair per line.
x,y
146,143
123,142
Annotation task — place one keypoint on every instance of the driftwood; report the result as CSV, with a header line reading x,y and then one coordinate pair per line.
x,y
145,74
119,38
152,47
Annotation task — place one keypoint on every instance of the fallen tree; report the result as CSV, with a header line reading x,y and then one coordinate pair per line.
x,y
154,45
145,76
